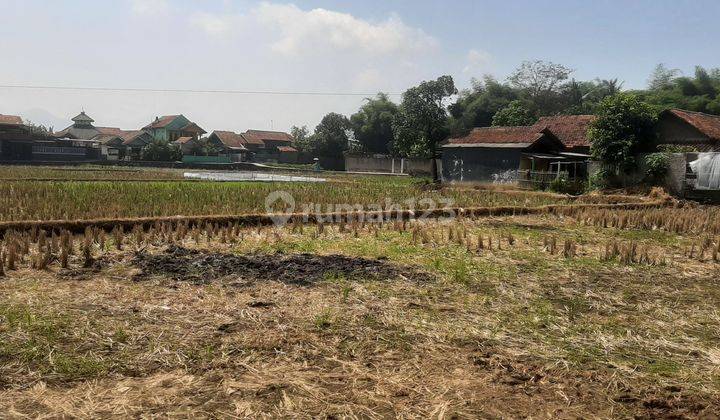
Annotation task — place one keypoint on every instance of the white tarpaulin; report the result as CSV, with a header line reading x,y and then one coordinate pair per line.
x,y
707,169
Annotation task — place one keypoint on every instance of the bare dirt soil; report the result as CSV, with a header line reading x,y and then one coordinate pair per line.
x,y
199,267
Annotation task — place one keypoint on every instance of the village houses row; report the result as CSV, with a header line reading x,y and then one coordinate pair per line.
x,y
83,140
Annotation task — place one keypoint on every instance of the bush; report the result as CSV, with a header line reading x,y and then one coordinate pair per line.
x,y
656,166
161,151
565,186
600,179
624,127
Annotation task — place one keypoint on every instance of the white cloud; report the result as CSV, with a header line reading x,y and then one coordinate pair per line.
x,y
293,31
320,28
478,62
217,25
150,7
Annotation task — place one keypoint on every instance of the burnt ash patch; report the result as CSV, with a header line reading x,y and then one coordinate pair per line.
x,y
202,267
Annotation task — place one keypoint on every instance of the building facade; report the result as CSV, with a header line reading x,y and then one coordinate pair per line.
x,y
554,145
170,128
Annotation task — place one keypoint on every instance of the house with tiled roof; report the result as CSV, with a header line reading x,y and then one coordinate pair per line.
x,y
571,130
230,143
271,146
687,128
170,128
553,144
115,143
21,142
256,145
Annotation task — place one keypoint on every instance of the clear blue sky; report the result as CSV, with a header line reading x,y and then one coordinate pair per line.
x,y
339,46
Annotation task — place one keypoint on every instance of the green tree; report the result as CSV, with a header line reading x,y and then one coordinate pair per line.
x,y
667,89
516,113
624,127
302,139
161,151
541,82
203,147
331,137
421,121
38,128
662,77
476,107
372,124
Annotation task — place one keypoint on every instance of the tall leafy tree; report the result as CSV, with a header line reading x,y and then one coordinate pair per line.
x,y
516,113
420,123
331,137
372,124
541,82
302,139
624,127
667,89
476,107
662,77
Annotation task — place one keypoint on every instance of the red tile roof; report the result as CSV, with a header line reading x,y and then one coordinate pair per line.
x,y
499,135
252,139
110,130
130,136
231,139
258,136
705,123
571,130
183,140
10,120
194,128
161,122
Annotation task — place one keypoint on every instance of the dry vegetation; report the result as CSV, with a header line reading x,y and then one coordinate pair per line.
x,y
577,310
88,173
543,316
91,200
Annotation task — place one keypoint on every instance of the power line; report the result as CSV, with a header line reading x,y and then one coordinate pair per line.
x,y
225,92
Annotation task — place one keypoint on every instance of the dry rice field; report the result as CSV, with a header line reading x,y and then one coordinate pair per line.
x,y
583,312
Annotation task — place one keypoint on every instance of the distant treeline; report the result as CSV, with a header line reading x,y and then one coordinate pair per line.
x,y
431,111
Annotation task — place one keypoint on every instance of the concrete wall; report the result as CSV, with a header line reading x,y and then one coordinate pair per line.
x,y
387,164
